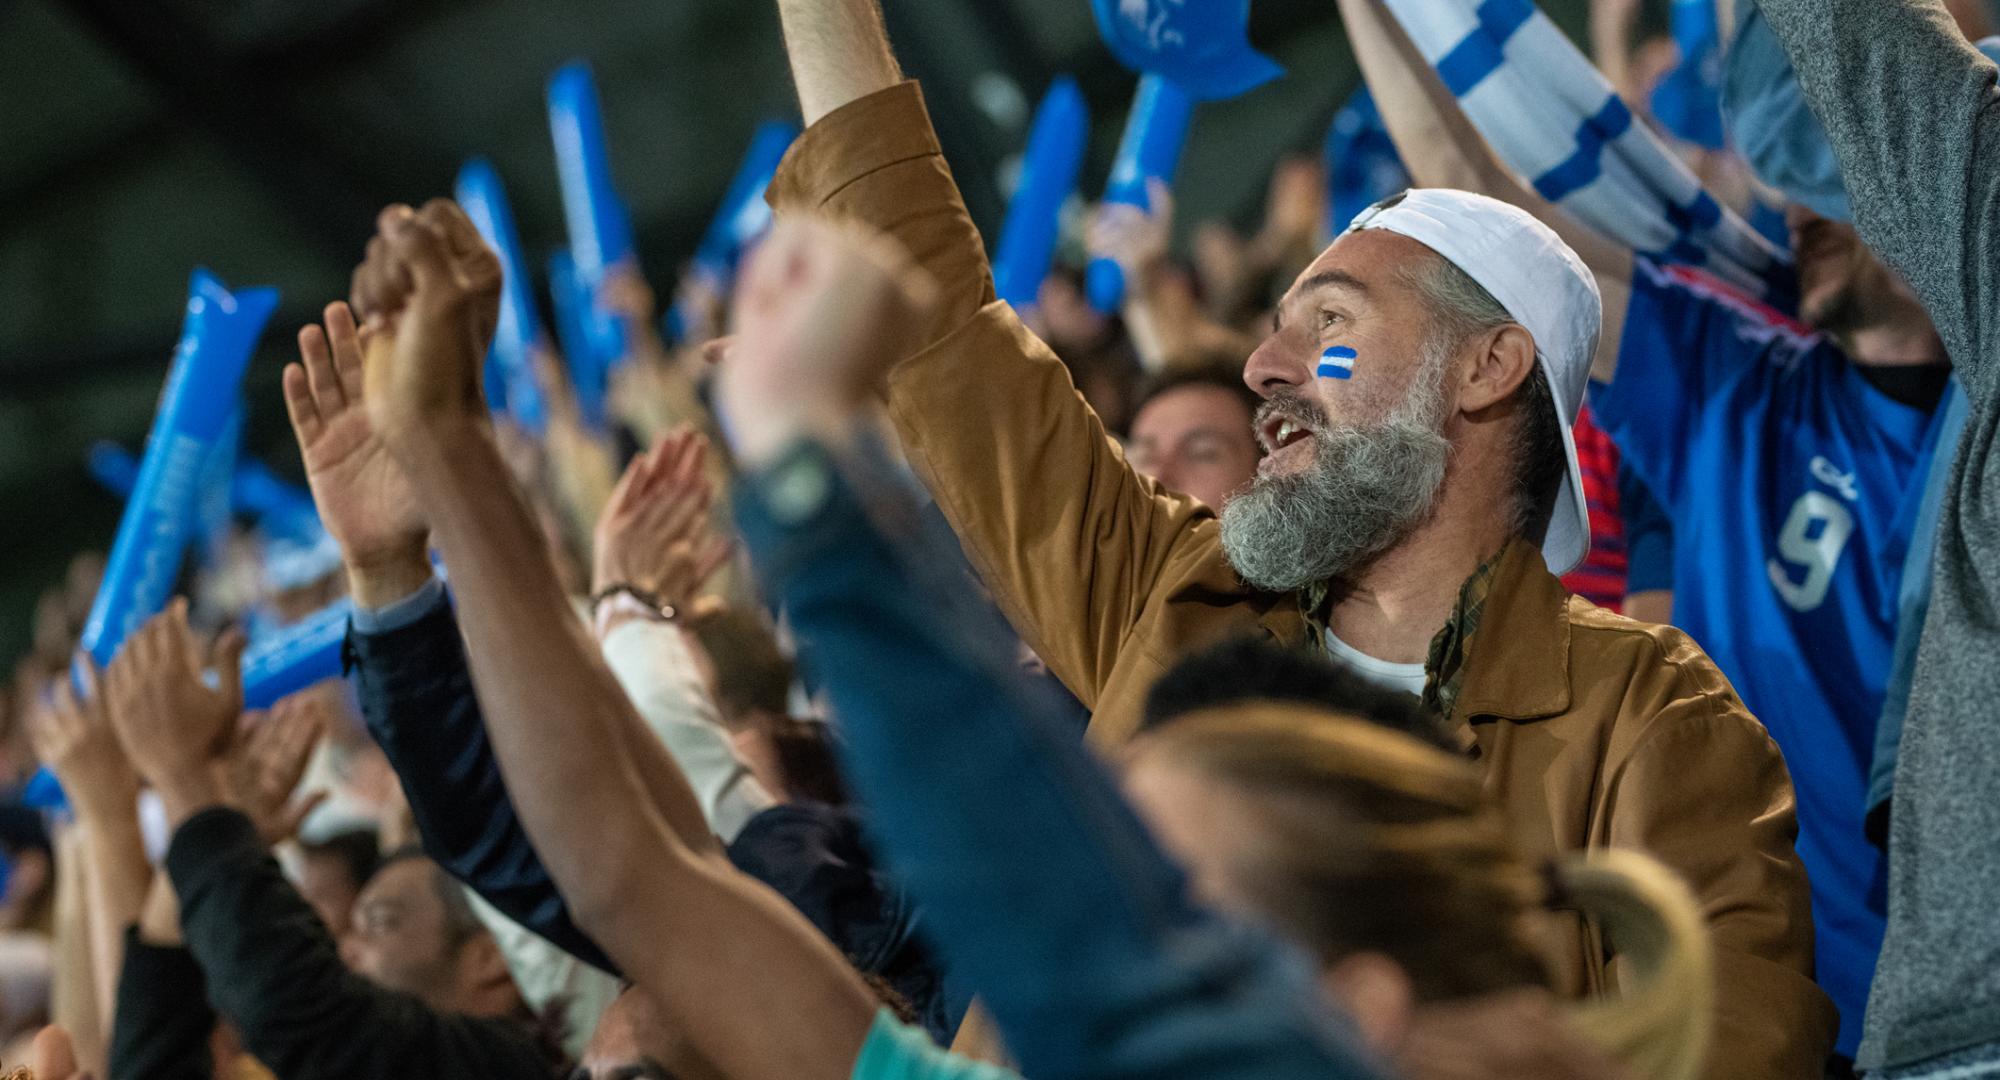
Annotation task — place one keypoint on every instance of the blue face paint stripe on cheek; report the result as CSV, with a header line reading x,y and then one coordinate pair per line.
x,y
1336,363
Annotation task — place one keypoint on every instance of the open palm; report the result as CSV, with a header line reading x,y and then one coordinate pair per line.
x,y
364,498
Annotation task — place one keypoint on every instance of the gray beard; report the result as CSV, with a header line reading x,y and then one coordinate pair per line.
x,y
1366,489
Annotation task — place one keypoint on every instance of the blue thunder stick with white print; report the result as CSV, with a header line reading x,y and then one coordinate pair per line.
x,y
1202,45
201,395
1049,168
741,220
291,659
600,227
1336,363
510,362
1155,134
589,376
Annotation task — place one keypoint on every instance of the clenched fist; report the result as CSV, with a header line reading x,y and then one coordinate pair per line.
x,y
429,291
820,313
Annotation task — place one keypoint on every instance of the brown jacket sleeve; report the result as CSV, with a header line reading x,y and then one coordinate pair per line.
x,y
1682,796
1072,542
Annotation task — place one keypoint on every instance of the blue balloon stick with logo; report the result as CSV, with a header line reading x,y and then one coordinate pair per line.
x,y
1049,168
588,373
742,218
280,508
112,466
1155,134
1202,45
297,656
510,362
217,339
600,227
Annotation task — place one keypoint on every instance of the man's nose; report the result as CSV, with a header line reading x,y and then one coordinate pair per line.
x,y
1278,363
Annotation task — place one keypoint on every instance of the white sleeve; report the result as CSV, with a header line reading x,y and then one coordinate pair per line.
x,y
652,663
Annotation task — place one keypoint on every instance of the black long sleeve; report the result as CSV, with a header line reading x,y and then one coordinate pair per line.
x,y
273,970
164,1020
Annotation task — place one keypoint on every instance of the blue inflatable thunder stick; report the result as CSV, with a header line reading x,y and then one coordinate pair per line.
x,y
742,218
217,338
510,372
589,376
600,228
1155,134
295,657
1028,240
1202,45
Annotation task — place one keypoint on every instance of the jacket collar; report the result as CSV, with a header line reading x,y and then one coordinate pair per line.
x,y
1518,668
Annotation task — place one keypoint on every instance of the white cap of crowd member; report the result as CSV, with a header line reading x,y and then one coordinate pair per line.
x,y
1544,286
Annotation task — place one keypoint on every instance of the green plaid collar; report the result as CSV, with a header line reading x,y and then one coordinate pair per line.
x,y
1450,648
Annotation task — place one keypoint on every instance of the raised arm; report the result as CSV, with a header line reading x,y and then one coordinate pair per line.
x,y
1913,116
1000,811
416,689
1442,149
1072,543
72,732
715,948
839,52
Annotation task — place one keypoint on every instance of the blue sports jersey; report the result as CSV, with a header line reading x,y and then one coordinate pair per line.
x,y
1793,486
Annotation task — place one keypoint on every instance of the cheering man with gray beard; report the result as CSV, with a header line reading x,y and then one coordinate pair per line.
x,y
1420,495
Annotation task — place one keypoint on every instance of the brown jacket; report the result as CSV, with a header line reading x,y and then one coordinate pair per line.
x,y
1595,730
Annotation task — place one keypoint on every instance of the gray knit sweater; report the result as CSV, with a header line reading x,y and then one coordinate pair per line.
x,y
1914,117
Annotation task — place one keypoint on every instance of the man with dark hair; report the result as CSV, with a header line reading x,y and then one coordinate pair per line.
x,y
332,873
1419,497
1191,431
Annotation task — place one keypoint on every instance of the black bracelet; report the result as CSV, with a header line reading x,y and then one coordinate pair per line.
x,y
647,599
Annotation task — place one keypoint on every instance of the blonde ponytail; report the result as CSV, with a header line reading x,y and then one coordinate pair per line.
x,y
1661,1021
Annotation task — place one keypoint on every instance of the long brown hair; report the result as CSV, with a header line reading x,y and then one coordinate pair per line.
x,y
1370,840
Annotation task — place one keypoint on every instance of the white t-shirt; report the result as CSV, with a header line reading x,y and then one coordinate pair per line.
x,y
1408,678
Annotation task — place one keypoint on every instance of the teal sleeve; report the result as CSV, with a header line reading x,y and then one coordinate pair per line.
x,y
899,1051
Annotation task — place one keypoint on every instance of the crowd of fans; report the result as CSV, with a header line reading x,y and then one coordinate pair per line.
x,y
1233,685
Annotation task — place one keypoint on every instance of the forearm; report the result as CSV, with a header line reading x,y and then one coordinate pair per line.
x,y
116,875
1002,810
164,1021
417,698
533,661
1442,149
634,883
655,668
839,51
1913,118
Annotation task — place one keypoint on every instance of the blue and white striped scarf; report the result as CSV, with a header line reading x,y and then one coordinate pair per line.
x,y
1554,119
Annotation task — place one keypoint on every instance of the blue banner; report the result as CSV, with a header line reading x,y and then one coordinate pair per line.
x,y
217,339
1049,168
600,227
1202,45
1155,134
510,372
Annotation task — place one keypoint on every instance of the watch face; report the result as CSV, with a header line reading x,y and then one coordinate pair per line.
x,y
798,487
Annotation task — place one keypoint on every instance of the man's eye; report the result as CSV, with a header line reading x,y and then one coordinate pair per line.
x,y
1329,318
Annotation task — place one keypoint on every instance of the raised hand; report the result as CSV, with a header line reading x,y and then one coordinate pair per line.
x,y
431,288
362,493
173,723
819,314
654,535
72,732
268,759
1136,238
